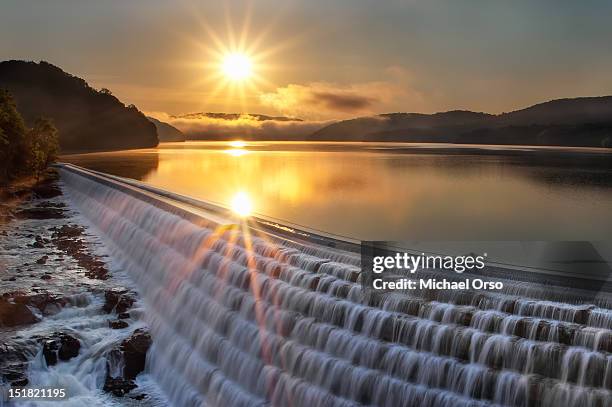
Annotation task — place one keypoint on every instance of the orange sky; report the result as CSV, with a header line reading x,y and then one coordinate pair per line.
x,y
321,60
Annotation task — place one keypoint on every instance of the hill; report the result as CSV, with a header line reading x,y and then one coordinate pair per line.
x,y
87,119
562,122
166,132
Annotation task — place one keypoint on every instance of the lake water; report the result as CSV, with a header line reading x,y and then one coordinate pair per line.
x,y
376,191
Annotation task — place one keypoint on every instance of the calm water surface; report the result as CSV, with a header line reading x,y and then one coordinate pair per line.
x,y
380,191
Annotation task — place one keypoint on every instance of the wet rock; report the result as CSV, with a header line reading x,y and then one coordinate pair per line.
x,y
16,374
118,300
117,324
66,239
42,260
45,277
14,314
131,354
13,363
47,188
60,346
124,315
48,204
45,302
134,351
118,386
40,213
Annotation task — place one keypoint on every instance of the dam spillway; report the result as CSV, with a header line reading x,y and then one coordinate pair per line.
x,y
244,318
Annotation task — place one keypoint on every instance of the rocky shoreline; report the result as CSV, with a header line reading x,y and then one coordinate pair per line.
x,y
50,265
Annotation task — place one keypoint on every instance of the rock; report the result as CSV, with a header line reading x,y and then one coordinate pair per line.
x,y
46,190
12,314
45,277
118,300
66,240
40,213
118,386
42,260
118,324
49,204
60,346
13,363
44,302
124,315
134,351
16,374
38,245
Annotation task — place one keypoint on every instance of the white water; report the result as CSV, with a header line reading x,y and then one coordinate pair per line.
x,y
239,321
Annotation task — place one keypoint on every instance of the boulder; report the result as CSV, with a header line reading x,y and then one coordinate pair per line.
x,y
45,302
14,314
118,300
60,346
134,351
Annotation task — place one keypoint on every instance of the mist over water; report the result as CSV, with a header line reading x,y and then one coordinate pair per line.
x,y
390,191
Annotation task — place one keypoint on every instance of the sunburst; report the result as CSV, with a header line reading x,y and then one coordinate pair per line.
x,y
236,65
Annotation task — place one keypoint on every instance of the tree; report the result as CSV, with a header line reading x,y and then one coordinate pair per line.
x,y
43,145
24,151
13,152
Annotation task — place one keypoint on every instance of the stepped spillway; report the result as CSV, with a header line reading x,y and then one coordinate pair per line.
x,y
245,318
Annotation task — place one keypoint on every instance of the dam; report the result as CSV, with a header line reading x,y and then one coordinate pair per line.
x,y
257,313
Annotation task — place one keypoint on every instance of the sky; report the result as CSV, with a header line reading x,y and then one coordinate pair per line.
x,y
321,59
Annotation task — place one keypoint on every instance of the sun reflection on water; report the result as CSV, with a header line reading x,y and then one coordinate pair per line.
x,y
236,152
242,204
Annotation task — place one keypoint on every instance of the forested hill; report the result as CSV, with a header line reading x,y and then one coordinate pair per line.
x,y
87,119
583,121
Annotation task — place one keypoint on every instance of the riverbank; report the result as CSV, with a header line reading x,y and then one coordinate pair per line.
x,y
68,317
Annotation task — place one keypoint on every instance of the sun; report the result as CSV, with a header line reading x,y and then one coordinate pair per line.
x,y
237,67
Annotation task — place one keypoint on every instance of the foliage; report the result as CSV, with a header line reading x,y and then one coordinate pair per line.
x,y
87,119
43,145
24,151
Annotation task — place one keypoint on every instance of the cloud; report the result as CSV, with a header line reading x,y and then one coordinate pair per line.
x,y
343,102
326,100
200,126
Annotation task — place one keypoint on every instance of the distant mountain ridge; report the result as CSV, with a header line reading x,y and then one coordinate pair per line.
x,y
87,119
585,121
166,132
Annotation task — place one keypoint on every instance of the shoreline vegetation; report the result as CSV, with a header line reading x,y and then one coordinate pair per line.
x,y
25,152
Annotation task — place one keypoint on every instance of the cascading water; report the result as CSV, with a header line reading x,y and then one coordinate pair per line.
x,y
240,320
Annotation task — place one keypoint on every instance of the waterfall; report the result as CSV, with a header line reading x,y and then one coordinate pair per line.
x,y
242,319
